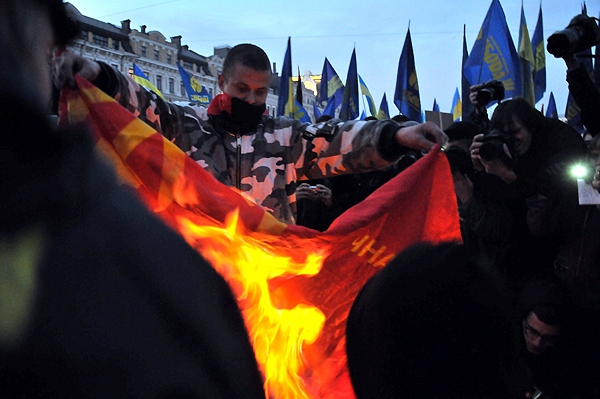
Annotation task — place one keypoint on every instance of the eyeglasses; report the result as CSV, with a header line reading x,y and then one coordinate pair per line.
x,y
535,334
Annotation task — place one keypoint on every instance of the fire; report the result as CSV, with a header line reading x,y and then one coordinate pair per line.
x,y
249,261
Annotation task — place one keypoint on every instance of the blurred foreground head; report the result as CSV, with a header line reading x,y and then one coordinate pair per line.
x,y
431,325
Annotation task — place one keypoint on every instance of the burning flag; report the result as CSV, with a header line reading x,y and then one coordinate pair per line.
x,y
294,285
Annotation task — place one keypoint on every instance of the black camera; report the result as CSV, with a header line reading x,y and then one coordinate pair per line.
x,y
493,147
459,159
582,33
490,91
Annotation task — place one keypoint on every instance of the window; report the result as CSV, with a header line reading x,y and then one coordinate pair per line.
x,y
182,89
159,82
84,36
171,85
143,50
100,40
169,58
156,55
115,44
188,65
210,92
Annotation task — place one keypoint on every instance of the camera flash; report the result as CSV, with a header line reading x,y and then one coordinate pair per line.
x,y
579,171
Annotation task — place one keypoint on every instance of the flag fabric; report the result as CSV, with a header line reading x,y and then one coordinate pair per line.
x,y
285,103
436,106
527,61
331,87
493,55
299,88
195,91
363,115
551,111
141,79
300,112
467,106
316,111
331,107
384,111
456,106
573,114
539,54
295,285
349,109
365,92
406,96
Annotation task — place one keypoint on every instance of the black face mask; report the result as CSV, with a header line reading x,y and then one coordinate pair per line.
x,y
245,114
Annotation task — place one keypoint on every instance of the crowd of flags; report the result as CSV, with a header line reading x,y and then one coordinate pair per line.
x,y
521,69
494,56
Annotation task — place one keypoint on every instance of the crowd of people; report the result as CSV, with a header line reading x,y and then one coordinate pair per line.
x,y
98,298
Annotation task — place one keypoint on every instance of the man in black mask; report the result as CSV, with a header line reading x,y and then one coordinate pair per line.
x,y
240,146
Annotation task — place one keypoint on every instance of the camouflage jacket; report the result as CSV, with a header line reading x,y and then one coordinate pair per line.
x,y
267,163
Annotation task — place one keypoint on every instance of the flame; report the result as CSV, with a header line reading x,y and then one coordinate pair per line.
x,y
248,261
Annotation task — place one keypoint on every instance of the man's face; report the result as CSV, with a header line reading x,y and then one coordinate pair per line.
x,y
538,335
247,84
521,135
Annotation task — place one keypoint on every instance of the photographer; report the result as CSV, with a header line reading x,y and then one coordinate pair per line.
x,y
581,34
522,194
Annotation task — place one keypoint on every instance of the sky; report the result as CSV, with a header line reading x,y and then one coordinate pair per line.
x,y
332,29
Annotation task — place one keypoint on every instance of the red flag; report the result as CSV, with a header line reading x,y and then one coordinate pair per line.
x,y
294,285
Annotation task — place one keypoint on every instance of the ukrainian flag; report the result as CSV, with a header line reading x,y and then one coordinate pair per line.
x,y
141,79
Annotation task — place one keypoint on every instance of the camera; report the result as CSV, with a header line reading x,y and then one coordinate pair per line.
x,y
493,147
459,159
490,91
581,33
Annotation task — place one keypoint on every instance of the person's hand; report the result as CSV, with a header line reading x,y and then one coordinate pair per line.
x,y
473,90
323,193
463,186
494,167
421,137
596,181
474,151
305,192
67,65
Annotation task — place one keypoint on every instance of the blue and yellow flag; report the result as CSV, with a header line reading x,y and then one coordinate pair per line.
x,y
526,60
456,106
465,86
300,113
406,96
436,106
539,53
195,91
552,112
493,55
331,88
316,111
349,109
286,102
365,92
384,111
141,79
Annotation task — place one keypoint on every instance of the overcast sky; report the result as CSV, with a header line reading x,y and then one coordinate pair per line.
x,y
331,29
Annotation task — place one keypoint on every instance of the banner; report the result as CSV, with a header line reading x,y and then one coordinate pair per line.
x,y
406,96
294,285
195,91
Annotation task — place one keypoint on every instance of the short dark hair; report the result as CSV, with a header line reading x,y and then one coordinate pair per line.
x,y
248,55
504,113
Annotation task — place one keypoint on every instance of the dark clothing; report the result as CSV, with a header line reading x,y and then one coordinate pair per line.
x,y
587,97
515,229
121,306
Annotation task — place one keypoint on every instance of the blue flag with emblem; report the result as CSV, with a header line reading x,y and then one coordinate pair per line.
x,y
286,101
465,86
436,106
456,106
493,55
141,79
331,89
384,111
349,109
526,60
300,113
406,96
195,91
365,92
539,54
552,112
